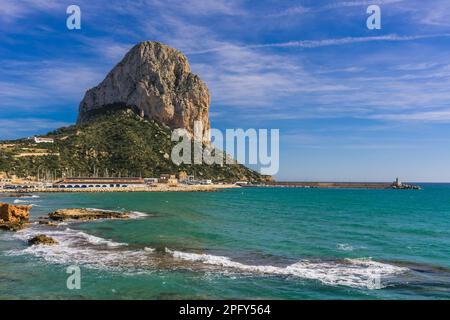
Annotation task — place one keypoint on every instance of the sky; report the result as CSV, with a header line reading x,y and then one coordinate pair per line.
x,y
351,104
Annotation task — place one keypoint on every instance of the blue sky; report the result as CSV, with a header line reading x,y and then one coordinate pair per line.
x,y
351,104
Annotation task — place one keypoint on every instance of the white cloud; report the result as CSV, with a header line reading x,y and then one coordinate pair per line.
x,y
435,13
199,7
327,42
12,10
348,40
242,77
415,66
110,50
246,78
428,116
28,85
332,6
12,128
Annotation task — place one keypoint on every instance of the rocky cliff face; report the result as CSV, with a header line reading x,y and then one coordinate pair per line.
x,y
156,82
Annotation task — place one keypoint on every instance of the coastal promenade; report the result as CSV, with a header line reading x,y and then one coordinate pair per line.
x,y
152,188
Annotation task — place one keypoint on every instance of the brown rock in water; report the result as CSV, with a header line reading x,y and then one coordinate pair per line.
x,y
47,222
13,213
12,226
85,215
42,239
16,195
156,82
12,217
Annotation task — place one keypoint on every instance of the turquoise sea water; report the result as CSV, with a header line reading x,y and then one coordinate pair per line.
x,y
247,243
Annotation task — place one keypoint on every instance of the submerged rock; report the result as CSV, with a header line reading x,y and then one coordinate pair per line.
x,y
85,215
46,221
42,239
12,226
12,217
16,195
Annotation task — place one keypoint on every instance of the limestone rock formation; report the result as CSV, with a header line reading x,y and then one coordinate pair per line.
x,y
156,82
13,217
85,215
42,239
13,213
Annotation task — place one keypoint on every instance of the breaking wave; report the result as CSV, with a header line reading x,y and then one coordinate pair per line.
x,y
138,214
23,201
357,273
79,248
345,247
131,214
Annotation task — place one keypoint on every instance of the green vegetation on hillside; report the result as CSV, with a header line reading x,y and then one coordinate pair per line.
x,y
122,144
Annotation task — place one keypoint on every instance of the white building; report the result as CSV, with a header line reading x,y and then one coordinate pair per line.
x,y
43,140
151,180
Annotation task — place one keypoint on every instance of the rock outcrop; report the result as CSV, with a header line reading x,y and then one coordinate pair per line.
x,y
46,221
13,217
42,239
85,215
156,82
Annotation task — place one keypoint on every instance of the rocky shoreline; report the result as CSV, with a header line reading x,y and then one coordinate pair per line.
x,y
12,217
85,215
16,217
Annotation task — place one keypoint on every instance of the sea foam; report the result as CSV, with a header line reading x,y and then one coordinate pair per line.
x,y
131,214
357,273
16,201
80,248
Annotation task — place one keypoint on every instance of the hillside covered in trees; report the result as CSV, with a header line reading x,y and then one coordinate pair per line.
x,y
119,144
